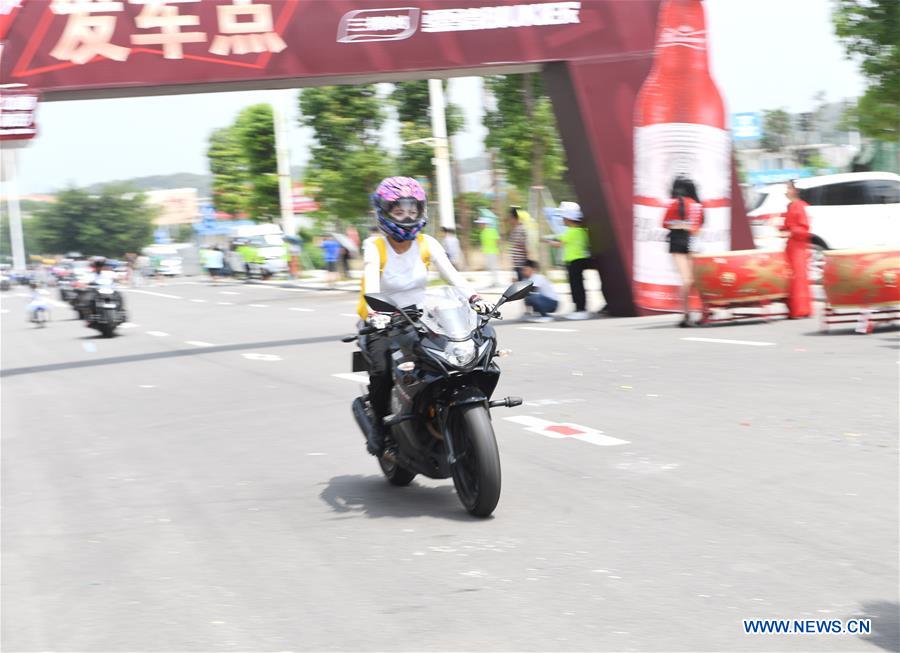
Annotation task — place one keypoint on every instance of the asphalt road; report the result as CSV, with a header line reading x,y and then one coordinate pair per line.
x,y
198,484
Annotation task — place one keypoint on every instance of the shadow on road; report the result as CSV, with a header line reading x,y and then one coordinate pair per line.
x,y
885,617
177,353
374,497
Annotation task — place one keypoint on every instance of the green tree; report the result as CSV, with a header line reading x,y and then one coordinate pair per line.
x,y
869,30
347,159
230,184
110,224
255,131
523,130
776,130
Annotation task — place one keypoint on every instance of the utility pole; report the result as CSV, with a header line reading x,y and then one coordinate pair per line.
x,y
283,158
441,153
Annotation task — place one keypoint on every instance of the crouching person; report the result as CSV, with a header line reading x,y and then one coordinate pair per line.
x,y
543,298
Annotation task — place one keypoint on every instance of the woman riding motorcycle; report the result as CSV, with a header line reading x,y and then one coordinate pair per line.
x,y
395,264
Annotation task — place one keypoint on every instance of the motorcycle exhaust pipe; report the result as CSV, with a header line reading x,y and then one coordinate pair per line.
x,y
362,418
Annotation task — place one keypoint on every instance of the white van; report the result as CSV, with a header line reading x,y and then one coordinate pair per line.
x,y
165,260
854,210
267,241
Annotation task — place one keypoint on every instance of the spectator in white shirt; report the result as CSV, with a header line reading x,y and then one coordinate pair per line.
x,y
543,298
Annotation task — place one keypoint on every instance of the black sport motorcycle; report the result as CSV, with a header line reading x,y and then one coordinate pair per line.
x,y
103,308
444,376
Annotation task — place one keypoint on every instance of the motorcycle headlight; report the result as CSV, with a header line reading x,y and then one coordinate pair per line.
x,y
459,354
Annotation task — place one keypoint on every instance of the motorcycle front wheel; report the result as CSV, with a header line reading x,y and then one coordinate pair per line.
x,y
108,328
476,473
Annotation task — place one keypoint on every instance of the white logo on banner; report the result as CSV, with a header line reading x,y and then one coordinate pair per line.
x,y
397,24
367,25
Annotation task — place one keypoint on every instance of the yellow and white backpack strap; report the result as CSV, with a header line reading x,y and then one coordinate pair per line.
x,y
380,244
424,251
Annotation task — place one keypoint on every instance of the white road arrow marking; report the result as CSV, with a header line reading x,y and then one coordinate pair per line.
x,y
558,430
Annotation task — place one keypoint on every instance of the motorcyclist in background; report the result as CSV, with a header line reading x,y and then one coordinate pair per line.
x,y
99,276
395,264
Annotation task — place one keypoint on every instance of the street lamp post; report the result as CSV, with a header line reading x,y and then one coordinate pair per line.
x,y
441,153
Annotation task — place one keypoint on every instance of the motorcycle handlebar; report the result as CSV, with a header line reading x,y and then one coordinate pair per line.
x,y
398,319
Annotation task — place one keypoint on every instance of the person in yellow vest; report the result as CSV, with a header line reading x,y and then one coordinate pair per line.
x,y
395,264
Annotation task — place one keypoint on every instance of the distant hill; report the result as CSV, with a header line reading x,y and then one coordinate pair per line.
x,y
202,183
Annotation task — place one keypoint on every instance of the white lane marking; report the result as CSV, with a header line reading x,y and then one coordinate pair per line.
x,y
225,303
146,386
198,343
89,347
155,294
261,357
316,453
349,315
295,289
304,310
228,292
356,377
158,334
258,305
199,301
749,343
530,328
128,325
558,430
4,310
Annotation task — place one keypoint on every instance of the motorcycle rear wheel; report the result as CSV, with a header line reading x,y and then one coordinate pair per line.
x,y
476,473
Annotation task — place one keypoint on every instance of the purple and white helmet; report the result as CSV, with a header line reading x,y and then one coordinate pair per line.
x,y
400,193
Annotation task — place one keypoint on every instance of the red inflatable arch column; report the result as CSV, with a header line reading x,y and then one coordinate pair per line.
x,y
594,105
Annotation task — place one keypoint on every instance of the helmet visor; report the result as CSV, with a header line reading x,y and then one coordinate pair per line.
x,y
405,211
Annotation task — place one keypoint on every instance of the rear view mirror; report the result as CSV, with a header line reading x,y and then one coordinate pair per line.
x,y
381,303
519,290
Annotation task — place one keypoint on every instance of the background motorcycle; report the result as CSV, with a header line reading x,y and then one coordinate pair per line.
x,y
104,309
444,375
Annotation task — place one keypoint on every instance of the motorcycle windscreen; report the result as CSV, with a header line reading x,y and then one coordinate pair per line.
x,y
446,311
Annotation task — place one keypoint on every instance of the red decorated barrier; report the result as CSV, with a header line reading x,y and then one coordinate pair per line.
x,y
742,279
862,287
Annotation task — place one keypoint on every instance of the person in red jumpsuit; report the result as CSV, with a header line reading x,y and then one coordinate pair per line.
x,y
796,228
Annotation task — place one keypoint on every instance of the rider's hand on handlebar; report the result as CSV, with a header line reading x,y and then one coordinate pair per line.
x,y
479,305
378,320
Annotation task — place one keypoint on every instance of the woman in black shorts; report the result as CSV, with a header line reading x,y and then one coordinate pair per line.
x,y
684,217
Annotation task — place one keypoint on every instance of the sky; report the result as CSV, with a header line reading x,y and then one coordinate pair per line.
x,y
764,54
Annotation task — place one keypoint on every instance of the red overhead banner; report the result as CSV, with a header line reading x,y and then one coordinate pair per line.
x,y
594,56
102,45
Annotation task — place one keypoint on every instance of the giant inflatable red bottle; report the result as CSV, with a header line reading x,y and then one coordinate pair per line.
x,y
680,129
